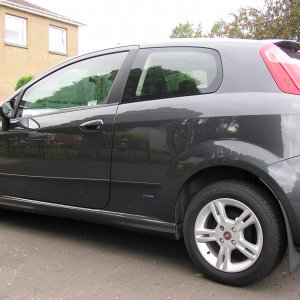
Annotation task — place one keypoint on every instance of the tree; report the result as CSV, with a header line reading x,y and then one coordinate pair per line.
x,y
186,30
277,19
198,32
219,29
22,81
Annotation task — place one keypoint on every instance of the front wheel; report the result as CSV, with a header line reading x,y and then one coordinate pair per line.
x,y
234,232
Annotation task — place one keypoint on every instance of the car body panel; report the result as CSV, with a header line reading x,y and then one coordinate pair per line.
x,y
53,154
149,150
283,179
160,144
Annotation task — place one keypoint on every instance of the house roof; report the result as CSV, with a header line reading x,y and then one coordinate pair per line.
x,y
26,6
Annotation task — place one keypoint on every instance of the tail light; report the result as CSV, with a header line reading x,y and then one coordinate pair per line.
x,y
284,69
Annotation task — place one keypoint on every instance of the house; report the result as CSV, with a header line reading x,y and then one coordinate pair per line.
x,y
32,39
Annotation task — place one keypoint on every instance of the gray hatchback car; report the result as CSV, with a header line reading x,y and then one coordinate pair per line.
x,y
193,139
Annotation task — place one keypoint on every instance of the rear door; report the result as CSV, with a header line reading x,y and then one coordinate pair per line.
x,y
58,148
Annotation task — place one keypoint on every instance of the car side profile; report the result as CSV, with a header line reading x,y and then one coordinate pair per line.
x,y
194,139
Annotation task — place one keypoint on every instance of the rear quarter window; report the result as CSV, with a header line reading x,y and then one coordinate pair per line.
x,y
293,54
160,73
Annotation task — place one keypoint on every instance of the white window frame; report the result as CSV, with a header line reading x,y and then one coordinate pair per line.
x,y
59,33
20,30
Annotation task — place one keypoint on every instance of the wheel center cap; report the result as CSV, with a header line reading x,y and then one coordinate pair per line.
x,y
227,235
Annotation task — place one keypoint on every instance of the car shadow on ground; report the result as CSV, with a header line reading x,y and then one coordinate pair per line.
x,y
148,247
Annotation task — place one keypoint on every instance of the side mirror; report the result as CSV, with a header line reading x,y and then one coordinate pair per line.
x,y
7,109
6,113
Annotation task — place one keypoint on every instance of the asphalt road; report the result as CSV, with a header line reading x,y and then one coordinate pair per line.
x,y
50,258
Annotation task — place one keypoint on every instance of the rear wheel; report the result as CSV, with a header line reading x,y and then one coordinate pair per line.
x,y
233,232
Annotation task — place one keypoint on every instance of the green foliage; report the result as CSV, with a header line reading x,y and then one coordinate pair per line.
x,y
174,78
186,30
95,88
278,18
157,74
275,19
159,82
218,30
22,81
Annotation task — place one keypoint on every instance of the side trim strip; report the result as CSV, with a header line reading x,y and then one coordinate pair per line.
x,y
53,178
133,222
149,184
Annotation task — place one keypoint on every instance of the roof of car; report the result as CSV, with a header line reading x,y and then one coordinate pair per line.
x,y
189,42
209,42
201,42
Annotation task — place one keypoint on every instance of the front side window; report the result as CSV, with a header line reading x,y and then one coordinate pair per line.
x,y
173,72
85,83
57,40
15,30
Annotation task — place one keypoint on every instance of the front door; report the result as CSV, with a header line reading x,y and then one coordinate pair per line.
x,y
58,149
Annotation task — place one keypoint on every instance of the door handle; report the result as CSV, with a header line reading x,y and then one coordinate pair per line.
x,y
94,125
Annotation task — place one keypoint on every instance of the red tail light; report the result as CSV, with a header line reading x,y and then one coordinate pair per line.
x,y
284,69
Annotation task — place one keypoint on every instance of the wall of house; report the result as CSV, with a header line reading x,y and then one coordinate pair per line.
x,y
16,61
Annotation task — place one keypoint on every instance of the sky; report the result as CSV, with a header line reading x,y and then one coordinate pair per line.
x,y
122,22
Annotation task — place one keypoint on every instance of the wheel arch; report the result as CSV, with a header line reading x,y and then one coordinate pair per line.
x,y
209,175
205,177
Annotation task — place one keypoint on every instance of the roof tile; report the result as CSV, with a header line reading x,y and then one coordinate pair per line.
x,y
32,6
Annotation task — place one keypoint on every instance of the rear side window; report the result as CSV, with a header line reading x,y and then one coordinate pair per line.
x,y
160,73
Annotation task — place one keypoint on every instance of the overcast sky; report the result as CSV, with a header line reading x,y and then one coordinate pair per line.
x,y
113,22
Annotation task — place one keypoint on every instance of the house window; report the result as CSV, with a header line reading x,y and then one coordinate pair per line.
x,y
57,40
15,30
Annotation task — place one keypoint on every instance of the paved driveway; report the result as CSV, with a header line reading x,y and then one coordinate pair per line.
x,y
49,258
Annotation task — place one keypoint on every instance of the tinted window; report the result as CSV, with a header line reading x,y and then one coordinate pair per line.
x,y
292,54
85,83
173,72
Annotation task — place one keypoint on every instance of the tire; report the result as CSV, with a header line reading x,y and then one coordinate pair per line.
x,y
234,232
